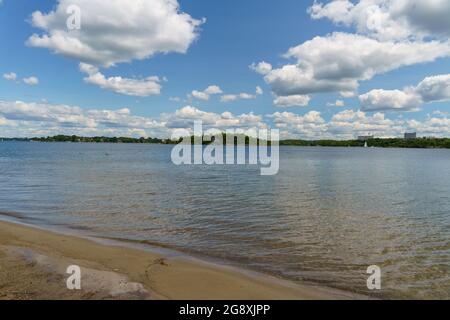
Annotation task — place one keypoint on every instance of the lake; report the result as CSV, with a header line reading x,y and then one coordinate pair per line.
x,y
328,215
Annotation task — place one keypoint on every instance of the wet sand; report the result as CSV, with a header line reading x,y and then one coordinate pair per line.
x,y
33,264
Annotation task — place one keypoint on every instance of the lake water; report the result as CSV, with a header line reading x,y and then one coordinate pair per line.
x,y
328,215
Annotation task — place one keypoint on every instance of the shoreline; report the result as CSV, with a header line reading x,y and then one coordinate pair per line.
x,y
34,260
387,143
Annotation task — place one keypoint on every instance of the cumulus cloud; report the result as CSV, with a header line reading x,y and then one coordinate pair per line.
x,y
308,126
213,90
31,81
348,94
390,34
382,100
431,89
440,113
259,90
70,116
338,62
388,19
131,87
19,119
292,101
434,88
185,118
207,93
337,103
347,124
350,123
261,68
234,97
200,95
10,76
42,119
241,96
434,127
115,31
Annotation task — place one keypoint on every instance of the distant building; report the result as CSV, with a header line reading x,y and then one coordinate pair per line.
x,y
365,138
410,136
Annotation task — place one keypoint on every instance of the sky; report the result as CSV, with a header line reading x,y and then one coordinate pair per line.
x,y
312,69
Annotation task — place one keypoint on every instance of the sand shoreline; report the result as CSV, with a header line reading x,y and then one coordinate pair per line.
x,y
33,264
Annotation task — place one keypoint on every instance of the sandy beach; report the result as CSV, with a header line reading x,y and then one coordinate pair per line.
x,y
33,265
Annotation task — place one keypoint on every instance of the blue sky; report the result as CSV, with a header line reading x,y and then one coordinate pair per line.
x,y
235,35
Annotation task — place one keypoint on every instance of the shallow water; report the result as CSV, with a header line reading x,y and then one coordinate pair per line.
x,y
328,215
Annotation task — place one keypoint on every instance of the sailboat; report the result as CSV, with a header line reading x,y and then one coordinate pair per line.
x,y
365,145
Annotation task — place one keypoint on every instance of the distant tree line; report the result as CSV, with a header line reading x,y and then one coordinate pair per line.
x,y
378,143
239,139
63,138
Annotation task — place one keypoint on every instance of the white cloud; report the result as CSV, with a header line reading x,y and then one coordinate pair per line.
x,y
230,97
19,119
390,34
31,81
205,94
440,113
349,124
348,94
261,68
389,19
10,76
174,99
185,117
338,62
200,95
7,123
131,87
292,101
213,90
434,88
432,127
309,126
431,89
50,119
241,96
259,90
337,103
378,125
382,100
116,31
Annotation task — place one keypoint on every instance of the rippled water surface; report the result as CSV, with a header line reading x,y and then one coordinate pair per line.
x,y
328,215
